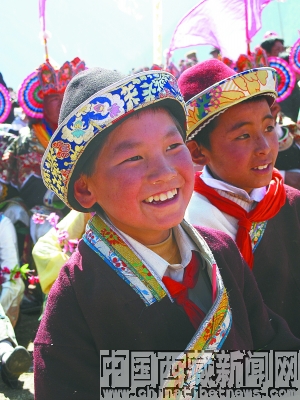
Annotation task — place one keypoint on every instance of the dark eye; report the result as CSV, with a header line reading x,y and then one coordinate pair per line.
x,y
244,136
135,158
270,128
174,146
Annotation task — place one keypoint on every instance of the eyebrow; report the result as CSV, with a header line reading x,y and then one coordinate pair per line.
x,y
133,144
243,123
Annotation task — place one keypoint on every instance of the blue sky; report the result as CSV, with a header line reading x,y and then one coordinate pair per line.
x,y
114,34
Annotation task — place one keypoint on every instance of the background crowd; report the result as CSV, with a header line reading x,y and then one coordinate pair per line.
x,y
38,232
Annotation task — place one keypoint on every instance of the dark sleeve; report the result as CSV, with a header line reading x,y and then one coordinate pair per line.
x,y
66,361
269,330
250,314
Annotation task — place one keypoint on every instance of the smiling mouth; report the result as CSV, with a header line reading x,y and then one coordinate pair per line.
x,y
262,167
170,194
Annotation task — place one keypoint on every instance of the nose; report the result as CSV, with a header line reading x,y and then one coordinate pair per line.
x,y
262,144
161,170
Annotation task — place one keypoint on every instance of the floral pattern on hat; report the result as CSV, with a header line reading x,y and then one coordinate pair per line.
x,y
96,114
205,106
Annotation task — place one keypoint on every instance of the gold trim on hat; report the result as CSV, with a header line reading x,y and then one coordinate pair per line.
x,y
205,106
99,112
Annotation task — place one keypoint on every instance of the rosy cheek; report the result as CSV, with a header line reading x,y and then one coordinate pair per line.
x,y
184,158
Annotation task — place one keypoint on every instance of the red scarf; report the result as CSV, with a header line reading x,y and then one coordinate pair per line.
x,y
179,290
266,209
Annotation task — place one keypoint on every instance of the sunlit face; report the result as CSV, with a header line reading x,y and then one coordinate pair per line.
x,y
143,176
51,108
276,49
244,146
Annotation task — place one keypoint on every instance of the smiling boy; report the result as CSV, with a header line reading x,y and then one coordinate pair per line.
x,y
231,132
142,278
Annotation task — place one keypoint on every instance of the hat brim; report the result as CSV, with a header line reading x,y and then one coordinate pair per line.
x,y
72,142
208,104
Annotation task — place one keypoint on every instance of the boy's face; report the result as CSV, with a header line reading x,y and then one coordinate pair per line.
x,y
143,176
51,104
244,146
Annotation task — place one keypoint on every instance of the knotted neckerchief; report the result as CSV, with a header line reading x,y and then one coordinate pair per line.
x,y
179,290
266,209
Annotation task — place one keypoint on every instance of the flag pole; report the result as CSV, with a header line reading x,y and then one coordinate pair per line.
x,y
157,32
46,47
247,28
42,12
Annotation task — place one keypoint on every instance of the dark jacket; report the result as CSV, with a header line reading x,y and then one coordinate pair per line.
x,y
90,309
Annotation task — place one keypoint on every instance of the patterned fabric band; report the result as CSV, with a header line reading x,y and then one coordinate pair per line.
x,y
227,93
96,114
107,242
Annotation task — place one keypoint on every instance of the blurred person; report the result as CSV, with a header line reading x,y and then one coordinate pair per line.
x,y
239,191
49,254
14,359
215,52
272,44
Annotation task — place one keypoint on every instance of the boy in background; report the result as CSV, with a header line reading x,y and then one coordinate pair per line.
x,y
231,132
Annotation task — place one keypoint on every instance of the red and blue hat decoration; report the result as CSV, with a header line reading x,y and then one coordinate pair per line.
x,y
285,76
5,103
30,96
295,56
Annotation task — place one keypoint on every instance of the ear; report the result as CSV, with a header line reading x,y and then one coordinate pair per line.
x,y
82,192
198,152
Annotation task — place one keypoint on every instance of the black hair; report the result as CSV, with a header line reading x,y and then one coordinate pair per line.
x,y
203,137
268,44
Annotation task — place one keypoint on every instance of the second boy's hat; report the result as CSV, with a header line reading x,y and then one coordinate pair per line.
x,y
211,87
95,101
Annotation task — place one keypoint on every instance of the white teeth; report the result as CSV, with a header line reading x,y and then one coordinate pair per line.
x,y
162,196
170,194
262,167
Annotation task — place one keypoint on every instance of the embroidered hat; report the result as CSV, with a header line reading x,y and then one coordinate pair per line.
x,y
46,80
94,102
211,87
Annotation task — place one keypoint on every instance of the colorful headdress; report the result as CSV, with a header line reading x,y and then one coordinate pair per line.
x,y
285,76
260,57
211,87
227,61
244,63
5,103
94,102
295,56
56,81
30,96
46,80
